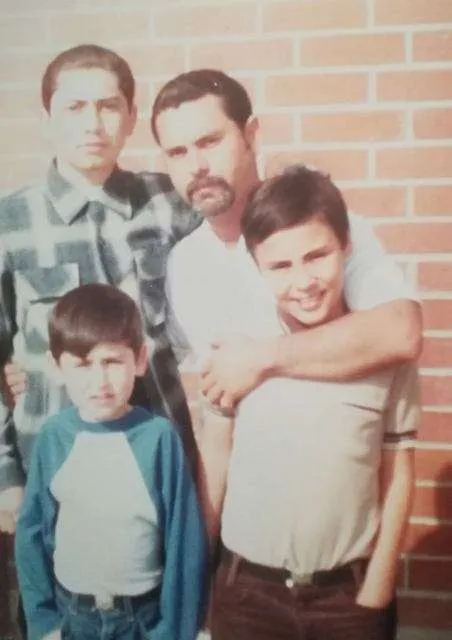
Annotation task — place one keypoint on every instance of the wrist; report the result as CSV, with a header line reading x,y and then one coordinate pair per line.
x,y
270,359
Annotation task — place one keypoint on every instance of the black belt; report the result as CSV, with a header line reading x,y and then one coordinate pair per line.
x,y
110,602
351,572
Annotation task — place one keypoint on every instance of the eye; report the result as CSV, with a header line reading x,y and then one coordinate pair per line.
x,y
177,152
74,106
209,141
111,105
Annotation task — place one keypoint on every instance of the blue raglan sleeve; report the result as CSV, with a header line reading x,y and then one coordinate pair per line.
x,y
185,570
34,544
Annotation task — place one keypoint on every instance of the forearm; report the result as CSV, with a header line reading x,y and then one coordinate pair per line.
x,y
380,579
349,347
215,451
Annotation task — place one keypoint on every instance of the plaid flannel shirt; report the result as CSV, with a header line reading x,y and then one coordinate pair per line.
x,y
48,245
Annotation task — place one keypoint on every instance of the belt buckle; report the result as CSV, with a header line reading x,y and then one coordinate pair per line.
x,y
299,579
104,602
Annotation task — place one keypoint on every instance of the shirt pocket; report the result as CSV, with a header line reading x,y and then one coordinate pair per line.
x,y
37,291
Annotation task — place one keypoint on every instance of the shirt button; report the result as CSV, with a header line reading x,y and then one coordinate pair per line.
x,y
289,583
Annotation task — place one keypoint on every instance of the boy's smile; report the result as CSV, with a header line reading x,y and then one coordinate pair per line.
x,y
304,266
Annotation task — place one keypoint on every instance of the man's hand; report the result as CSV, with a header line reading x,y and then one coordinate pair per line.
x,y
15,381
10,503
235,367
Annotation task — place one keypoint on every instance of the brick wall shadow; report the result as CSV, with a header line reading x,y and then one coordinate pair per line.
x,y
429,548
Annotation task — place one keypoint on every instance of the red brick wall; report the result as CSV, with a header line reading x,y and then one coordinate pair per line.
x,y
362,88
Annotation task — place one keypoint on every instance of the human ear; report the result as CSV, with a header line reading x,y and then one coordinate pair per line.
x,y
251,132
54,369
141,361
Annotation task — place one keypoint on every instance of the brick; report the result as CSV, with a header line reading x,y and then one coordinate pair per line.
x,y
414,86
24,136
276,128
142,137
255,54
21,31
435,275
376,201
437,352
429,539
412,11
432,123
310,89
436,426
436,390
322,14
411,237
17,67
424,612
437,314
352,50
351,126
205,21
432,200
100,27
433,502
434,575
434,464
342,165
150,60
414,162
16,171
432,46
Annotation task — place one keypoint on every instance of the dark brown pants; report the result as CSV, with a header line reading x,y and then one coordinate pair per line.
x,y
246,607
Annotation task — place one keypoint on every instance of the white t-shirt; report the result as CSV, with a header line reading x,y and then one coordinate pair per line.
x,y
215,291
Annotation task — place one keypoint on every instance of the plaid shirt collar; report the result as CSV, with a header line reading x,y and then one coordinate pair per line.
x,y
70,201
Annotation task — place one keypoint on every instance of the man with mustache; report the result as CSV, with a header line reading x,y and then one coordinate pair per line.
x,y
204,123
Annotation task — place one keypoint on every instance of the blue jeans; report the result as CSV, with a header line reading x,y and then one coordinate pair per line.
x,y
128,622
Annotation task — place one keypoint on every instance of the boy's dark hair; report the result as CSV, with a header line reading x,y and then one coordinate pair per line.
x,y
88,56
294,196
91,314
192,85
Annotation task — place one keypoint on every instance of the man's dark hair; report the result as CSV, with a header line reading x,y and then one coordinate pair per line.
x,y
88,56
91,314
294,196
198,83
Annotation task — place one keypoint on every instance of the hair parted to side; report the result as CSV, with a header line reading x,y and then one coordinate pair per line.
x,y
294,196
91,314
88,56
195,84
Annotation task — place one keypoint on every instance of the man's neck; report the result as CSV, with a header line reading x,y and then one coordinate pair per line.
x,y
227,226
84,180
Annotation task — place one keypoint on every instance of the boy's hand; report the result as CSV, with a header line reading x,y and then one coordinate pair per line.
x,y
53,635
375,598
14,382
10,503
235,367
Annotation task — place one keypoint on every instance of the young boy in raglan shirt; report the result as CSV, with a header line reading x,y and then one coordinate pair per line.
x,y
109,537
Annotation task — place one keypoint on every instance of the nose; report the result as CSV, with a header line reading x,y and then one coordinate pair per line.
x,y
301,278
199,164
92,120
99,376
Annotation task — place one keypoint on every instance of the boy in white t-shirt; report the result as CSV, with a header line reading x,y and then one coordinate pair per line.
x,y
320,474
